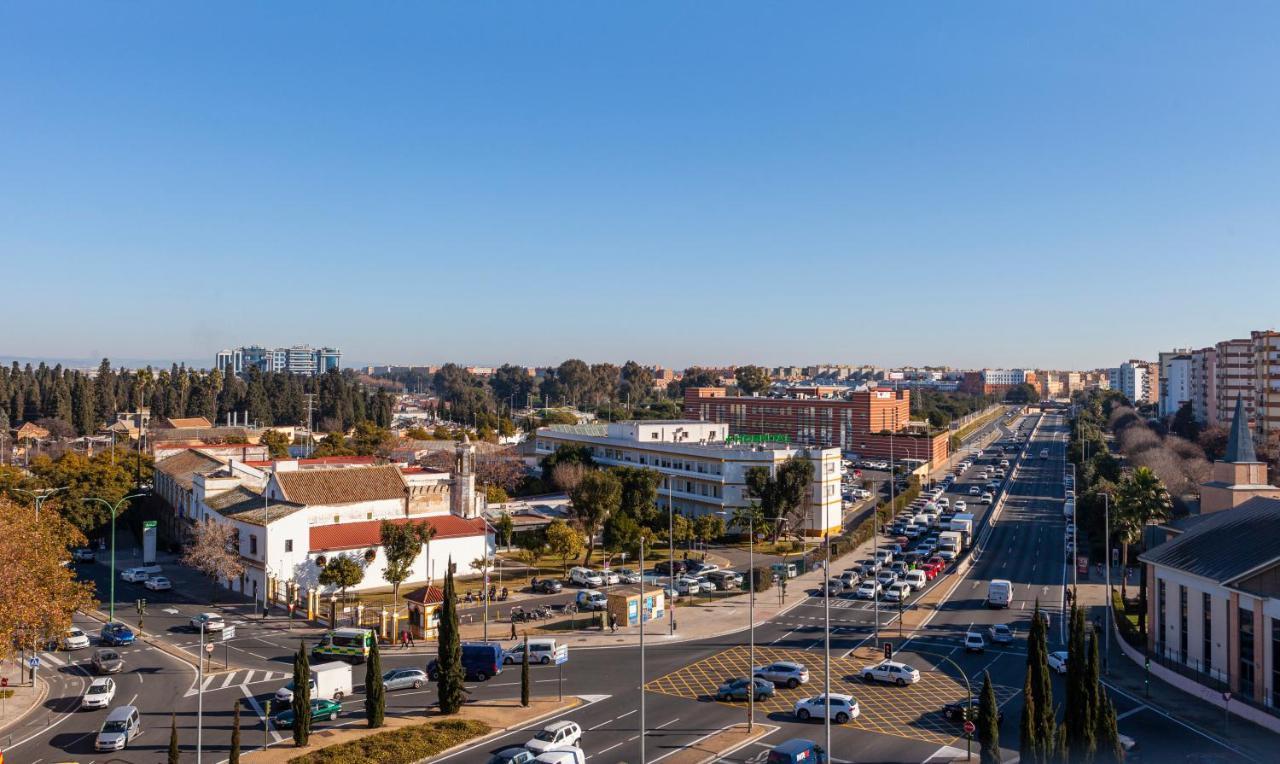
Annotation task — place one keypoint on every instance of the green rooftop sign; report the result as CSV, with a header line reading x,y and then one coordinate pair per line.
x,y
769,437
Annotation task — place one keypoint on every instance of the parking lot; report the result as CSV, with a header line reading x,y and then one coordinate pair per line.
x,y
912,712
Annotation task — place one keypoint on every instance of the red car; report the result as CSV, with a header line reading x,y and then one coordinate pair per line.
x,y
934,567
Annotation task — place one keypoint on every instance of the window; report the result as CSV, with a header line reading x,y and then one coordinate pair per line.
x,y
337,519
288,545
1159,624
368,515
253,544
1182,623
1208,633
1246,652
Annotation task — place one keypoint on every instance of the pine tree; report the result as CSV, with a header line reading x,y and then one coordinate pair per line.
x,y
524,676
173,740
989,722
301,696
449,651
234,758
375,698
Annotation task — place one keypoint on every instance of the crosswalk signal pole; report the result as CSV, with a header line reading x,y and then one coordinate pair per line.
x,y
200,700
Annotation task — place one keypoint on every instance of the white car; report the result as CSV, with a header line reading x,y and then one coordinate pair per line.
x,y
1058,661
555,735
961,506
75,639
843,708
892,672
986,498
627,576
158,584
211,621
867,590
608,576
99,694
974,643
975,490
585,577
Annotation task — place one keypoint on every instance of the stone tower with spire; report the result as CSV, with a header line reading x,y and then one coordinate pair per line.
x,y
462,493
1238,476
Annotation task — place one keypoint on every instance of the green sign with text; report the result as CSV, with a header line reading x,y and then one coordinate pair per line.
x,y
765,438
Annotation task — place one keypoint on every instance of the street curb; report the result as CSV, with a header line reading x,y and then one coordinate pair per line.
x,y
40,698
497,732
174,652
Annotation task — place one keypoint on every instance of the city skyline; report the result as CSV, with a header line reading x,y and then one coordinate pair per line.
x,y
687,185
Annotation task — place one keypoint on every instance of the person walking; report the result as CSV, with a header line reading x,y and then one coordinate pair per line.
x,y
513,629
408,634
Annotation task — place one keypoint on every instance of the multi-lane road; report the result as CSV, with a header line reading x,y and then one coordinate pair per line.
x,y
1024,544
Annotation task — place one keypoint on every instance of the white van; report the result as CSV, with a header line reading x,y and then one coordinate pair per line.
x,y
331,681
585,577
123,724
542,650
916,578
999,593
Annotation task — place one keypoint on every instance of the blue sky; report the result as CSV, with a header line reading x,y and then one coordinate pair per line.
x,y
713,182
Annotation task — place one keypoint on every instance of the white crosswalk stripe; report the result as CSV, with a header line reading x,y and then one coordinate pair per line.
x,y
51,658
241,678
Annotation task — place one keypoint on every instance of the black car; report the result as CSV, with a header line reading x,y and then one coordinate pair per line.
x,y
663,567
954,712
546,585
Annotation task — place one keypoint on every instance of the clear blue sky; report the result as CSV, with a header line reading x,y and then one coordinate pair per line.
x,y
1063,184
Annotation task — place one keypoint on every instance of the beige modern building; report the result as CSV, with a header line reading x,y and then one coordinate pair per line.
x,y
1266,379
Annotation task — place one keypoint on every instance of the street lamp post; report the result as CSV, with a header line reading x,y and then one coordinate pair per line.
x,y
671,540
968,689
826,647
1106,513
39,495
642,620
115,508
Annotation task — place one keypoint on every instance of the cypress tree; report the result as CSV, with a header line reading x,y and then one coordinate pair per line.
x,y
524,676
173,739
1108,737
989,722
1039,741
301,696
1028,744
375,692
1076,718
449,649
234,757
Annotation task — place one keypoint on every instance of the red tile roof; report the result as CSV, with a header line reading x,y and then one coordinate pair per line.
x,y
364,534
341,485
426,595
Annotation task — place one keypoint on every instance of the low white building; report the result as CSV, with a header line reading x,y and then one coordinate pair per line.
x,y
703,467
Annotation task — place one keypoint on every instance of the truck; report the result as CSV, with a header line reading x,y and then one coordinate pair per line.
x,y
999,593
963,524
331,681
950,544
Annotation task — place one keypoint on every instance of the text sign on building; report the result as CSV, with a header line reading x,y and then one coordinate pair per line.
x,y
769,437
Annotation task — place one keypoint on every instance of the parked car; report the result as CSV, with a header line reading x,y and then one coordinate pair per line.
x,y
404,679
891,672
158,584
546,585
107,661
100,693
627,575
585,577
738,689
321,708
116,633
555,735
665,567
843,708
210,621
788,673
609,576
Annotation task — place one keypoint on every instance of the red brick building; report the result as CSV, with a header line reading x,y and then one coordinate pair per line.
x,y
860,421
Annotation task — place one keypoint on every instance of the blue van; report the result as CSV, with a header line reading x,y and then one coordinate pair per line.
x,y
480,661
797,751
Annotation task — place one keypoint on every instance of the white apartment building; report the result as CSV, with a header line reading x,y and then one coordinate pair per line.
x,y
1233,378
1133,379
703,467
1175,381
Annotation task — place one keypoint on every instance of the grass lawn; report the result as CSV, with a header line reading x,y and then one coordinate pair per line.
x,y
399,746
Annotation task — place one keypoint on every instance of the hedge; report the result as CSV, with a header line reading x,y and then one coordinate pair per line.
x,y
763,578
1128,629
404,745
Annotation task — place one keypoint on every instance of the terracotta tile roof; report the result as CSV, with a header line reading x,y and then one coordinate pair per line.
x,y
426,595
245,504
341,485
32,431
367,533
183,467
185,422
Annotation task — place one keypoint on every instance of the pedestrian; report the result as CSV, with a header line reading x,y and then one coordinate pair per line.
x,y
613,623
513,629
404,639
409,635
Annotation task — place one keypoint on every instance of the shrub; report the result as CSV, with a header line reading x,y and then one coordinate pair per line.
x,y
762,578
1128,629
399,746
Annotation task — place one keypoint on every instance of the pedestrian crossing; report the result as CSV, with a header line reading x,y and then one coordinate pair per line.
x,y
237,679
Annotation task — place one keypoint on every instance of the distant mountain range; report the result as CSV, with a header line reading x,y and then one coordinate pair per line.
x,y
92,363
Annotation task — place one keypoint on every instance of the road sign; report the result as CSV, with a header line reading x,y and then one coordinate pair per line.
x,y
1226,696
228,633
34,662
888,650
4,681
208,648
969,727
561,654
1082,564
148,523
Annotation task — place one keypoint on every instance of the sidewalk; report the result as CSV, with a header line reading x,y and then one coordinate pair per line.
x,y
1124,675
20,697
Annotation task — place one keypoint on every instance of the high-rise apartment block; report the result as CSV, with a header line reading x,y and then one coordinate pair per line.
x,y
1174,380
1137,380
299,359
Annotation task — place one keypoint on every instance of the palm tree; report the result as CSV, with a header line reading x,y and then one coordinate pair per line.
x,y
1141,500
747,519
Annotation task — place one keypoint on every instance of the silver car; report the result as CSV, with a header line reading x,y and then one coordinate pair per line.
x,y
783,672
107,661
404,679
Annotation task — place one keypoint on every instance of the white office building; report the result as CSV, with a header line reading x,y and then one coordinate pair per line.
x,y
703,467
299,359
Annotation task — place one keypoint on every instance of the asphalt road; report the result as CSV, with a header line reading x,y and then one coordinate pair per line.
x,y
897,724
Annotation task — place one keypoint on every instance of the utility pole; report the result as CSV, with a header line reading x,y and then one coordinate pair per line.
x,y
311,438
